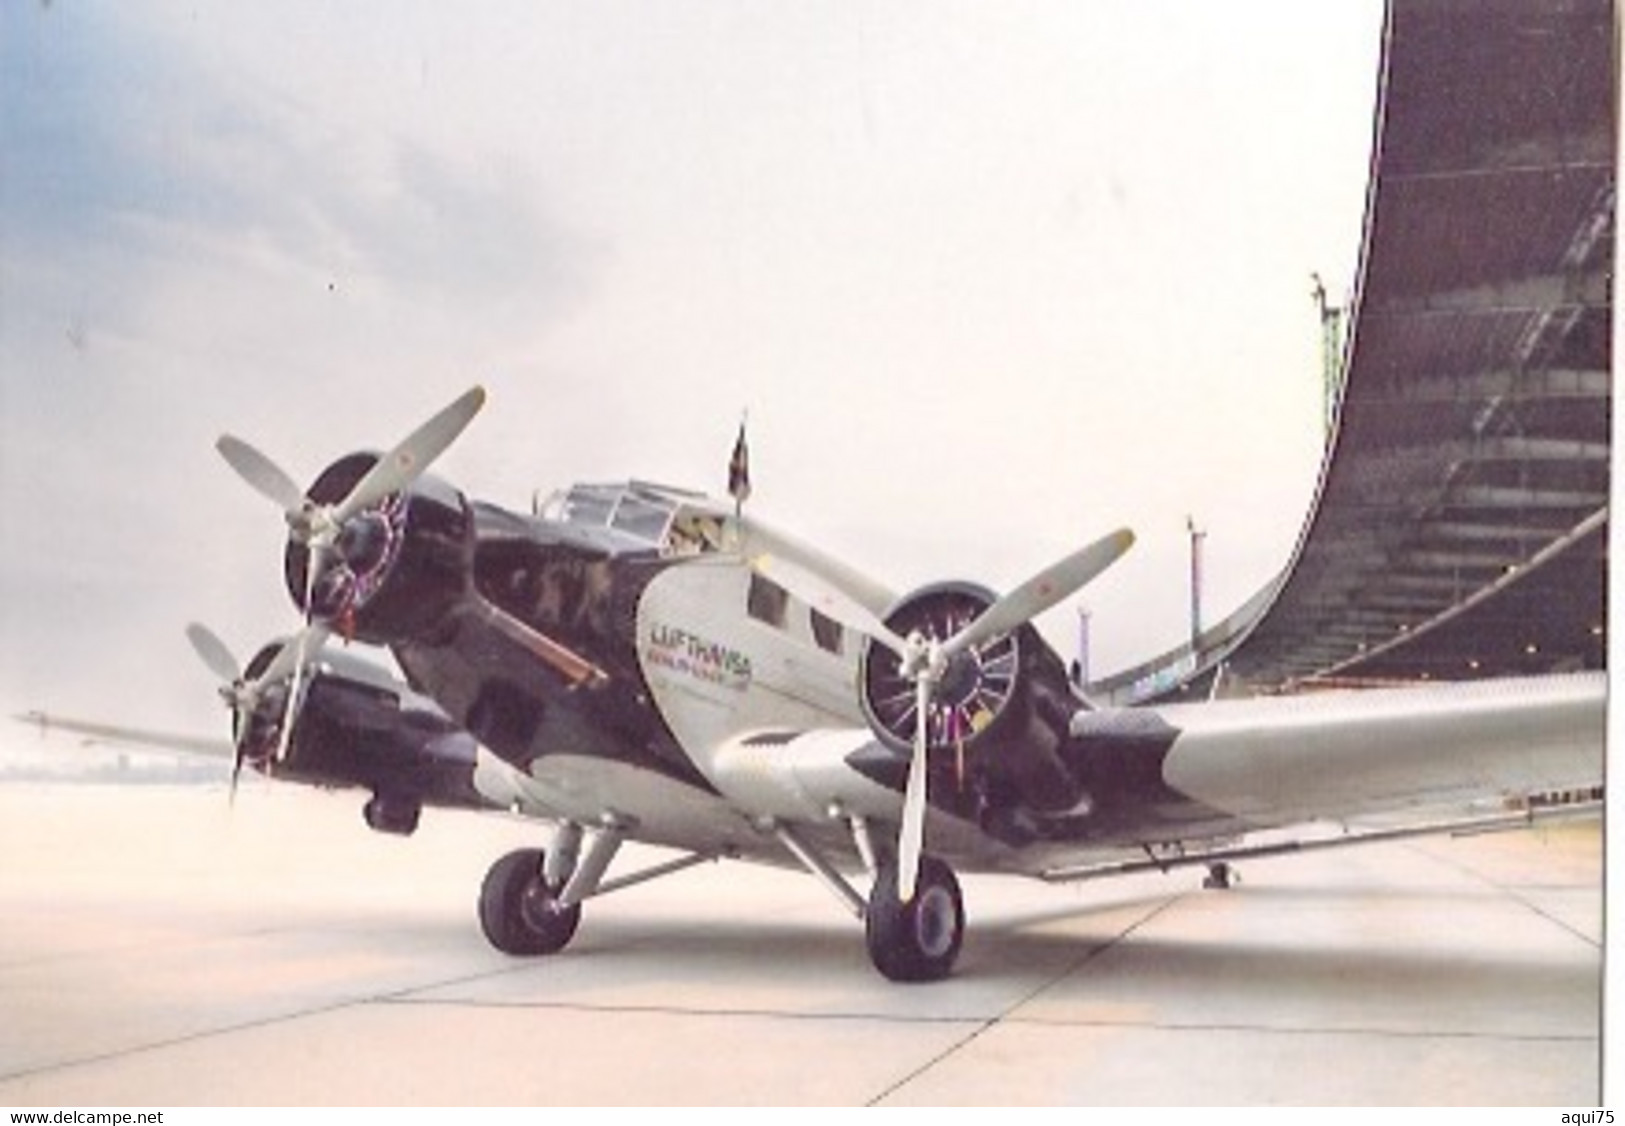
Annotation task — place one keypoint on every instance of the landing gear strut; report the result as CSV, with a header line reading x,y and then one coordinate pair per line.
x,y
918,940
913,941
520,912
531,900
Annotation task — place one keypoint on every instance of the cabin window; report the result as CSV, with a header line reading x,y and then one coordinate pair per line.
x,y
826,632
767,601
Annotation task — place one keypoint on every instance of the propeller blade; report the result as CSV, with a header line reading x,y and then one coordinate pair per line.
x,y
830,601
294,653
263,475
239,697
243,697
297,647
236,772
285,735
214,653
911,834
926,664
407,461
1053,584
290,660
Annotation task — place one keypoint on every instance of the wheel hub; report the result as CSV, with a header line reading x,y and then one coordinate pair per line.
x,y
538,906
934,922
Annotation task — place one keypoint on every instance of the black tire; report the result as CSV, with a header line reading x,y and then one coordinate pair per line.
x,y
519,913
918,940
1220,877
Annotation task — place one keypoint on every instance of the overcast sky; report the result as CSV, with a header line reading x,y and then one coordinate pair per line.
x,y
991,280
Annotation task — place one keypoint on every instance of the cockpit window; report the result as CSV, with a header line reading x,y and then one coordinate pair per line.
x,y
641,517
671,520
585,506
695,531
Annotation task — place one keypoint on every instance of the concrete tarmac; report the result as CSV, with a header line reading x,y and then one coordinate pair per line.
x,y
159,949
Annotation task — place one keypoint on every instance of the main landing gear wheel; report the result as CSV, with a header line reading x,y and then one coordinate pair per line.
x,y
519,913
917,940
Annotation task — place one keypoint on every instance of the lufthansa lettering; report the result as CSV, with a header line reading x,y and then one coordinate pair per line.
x,y
682,651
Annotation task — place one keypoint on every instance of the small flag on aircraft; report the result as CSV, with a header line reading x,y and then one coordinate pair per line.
x,y
739,469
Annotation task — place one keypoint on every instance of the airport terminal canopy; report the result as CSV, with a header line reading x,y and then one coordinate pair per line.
x,y
1460,524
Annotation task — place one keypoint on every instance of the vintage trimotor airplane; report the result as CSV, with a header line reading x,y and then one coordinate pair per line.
x,y
636,662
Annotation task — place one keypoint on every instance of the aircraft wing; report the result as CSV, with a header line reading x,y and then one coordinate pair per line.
x,y
130,736
1355,754
1231,779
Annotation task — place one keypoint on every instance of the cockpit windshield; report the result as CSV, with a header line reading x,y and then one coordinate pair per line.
x,y
672,521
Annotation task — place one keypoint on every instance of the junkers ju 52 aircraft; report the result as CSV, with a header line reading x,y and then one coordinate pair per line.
x,y
634,662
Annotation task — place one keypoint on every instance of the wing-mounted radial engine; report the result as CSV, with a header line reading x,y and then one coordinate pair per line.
x,y
999,712
969,672
343,723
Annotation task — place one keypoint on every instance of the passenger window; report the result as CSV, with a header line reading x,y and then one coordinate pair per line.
x,y
827,632
767,601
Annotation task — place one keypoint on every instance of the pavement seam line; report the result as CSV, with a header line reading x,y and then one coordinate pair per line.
x,y
1511,891
1314,1030
982,1026
242,1026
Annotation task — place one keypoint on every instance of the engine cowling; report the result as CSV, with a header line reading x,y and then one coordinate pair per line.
x,y
354,727
396,567
1002,708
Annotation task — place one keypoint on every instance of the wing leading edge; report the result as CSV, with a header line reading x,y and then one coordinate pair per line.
x,y
114,735
1346,755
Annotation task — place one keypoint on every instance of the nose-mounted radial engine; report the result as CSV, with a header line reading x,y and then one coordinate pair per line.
x,y
375,548
391,571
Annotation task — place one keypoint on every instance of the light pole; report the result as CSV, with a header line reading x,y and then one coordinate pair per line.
x,y
1080,666
1197,536
1331,350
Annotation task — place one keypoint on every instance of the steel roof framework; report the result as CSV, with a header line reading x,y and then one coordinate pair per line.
x,y
1460,524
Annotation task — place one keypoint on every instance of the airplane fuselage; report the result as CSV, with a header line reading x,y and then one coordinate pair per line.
x,y
625,654
622,657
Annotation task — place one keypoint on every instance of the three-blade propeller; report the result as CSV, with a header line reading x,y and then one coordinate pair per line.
x,y
243,695
924,660
318,527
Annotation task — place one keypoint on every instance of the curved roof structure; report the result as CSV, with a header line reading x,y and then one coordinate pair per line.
x,y
1460,525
